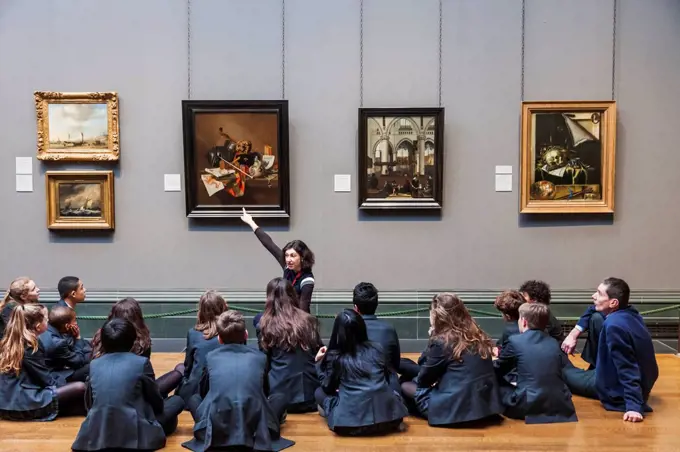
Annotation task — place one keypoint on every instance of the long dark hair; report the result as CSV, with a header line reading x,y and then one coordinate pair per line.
x,y
283,324
349,350
129,309
306,255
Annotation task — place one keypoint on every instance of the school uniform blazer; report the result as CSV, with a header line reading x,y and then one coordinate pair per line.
x,y
63,353
293,374
626,368
383,333
198,348
464,390
5,315
554,328
541,395
32,388
123,404
360,400
510,328
234,410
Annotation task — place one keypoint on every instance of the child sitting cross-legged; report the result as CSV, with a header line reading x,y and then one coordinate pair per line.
x,y
232,410
541,395
66,353
126,409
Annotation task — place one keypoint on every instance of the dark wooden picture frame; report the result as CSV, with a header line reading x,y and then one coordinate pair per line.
x,y
410,174
235,157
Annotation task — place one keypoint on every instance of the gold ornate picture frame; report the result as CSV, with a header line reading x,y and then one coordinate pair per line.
x,y
77,126
80,200
567,161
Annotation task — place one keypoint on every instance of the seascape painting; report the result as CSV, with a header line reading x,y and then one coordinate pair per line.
x,y
80,200
78,126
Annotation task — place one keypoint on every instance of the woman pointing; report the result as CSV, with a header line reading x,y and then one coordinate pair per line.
x,y
295,258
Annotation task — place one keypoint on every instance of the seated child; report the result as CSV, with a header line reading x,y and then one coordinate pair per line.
x,y
21,291
66,353
201,340
29,391
355,394
508,303
541,395
130,310
126,410
539,292
232,409
290,338
456,382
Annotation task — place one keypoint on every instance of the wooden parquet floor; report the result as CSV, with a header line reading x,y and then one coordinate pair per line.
x,y
597,429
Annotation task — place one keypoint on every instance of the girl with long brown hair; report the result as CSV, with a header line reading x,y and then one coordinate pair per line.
x,y
21,291
130,310
456,382
28,388
201,340
290,338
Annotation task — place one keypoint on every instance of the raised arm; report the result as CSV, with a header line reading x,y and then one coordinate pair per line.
x,y
264,238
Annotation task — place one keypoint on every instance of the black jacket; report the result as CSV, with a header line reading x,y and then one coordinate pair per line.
x,y
198,348
124,401
360,400
31,390
234,410
541,395
461,391
63,353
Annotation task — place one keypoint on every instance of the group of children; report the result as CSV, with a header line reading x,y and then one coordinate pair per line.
x,y
240,395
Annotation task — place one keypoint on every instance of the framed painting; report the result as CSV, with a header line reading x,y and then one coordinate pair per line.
x,y
79,127
80,200
401,158
235,157
567,160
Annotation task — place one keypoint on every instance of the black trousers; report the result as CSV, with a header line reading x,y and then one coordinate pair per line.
x,y
172,407
595,326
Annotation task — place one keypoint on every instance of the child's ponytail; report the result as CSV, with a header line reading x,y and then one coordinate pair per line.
x,y
19,334
17,288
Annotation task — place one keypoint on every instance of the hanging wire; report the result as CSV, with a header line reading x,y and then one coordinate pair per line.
x,y
441,16
614,51
283,49
521,95
361,53
189,49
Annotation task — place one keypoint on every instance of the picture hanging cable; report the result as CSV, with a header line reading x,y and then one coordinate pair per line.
x,y
189,49
283,49
361,53
521,83
614,51
441,15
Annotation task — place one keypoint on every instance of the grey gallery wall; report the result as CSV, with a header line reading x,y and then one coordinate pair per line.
x,y
139,49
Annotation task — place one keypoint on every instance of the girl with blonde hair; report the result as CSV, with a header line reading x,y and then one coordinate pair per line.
x,y
28,388
21,291
457,381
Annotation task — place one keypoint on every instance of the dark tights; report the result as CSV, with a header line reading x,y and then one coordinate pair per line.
x,y
169,382
71,399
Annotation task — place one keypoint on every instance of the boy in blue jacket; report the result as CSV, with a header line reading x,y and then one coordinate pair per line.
x,y
626,367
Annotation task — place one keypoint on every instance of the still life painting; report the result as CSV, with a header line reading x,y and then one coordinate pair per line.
x,y
567,157
235,157
401,158
77,126
80,200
